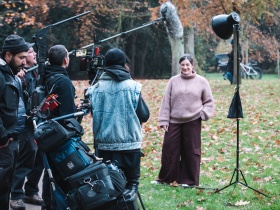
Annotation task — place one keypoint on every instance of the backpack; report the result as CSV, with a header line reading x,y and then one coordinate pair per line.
x,y
41,92
71,157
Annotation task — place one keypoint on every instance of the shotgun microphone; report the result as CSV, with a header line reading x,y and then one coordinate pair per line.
x,y
171,19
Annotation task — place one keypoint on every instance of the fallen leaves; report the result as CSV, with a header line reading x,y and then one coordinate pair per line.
x,y
258,138
242,203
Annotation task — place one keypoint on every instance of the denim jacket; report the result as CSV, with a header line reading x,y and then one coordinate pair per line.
x,y
115,122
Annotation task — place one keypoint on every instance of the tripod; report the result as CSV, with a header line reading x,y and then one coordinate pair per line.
x,y
235,111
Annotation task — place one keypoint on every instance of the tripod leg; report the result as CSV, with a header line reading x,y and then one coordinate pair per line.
x,y
231,193
243,177
246,185
140,199
231,183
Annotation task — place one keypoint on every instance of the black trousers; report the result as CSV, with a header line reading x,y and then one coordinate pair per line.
x,y
29,165
8,158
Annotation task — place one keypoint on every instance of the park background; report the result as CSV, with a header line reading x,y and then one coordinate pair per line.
x,y
149,51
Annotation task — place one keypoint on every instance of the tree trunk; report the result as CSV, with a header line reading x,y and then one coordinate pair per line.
x,y
177,50
144,51
278,69
189,40
133,52
189,47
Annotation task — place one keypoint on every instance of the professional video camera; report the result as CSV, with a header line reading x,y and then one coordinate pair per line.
x,y
92,62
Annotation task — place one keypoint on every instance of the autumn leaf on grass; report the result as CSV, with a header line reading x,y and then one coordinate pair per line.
x,y
174,184
214,137
208,159
242,203
220,159
261,180
200,208
267,179
185,203
221,150
201,199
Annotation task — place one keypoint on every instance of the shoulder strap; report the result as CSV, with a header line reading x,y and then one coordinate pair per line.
x,y
142,110
50,82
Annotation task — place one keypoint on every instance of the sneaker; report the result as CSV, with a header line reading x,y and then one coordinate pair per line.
x,y
155,182
17,204
33,199
184,185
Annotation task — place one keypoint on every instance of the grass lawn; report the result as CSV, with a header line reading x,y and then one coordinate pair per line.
x,y
259,142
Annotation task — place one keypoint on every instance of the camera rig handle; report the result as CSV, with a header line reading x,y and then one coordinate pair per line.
x,y
75,114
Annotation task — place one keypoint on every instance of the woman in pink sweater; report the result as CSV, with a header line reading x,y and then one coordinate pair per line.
x,y
187,101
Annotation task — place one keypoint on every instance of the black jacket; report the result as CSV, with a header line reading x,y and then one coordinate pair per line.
x,y
9,100
63,87
29,83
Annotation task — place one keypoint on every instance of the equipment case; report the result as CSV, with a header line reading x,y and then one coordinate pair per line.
x,y
128,201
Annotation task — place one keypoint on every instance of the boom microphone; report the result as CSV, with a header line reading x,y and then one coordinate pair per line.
x,y
173,24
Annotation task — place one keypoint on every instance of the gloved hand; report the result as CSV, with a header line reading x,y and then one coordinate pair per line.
x,y
85,106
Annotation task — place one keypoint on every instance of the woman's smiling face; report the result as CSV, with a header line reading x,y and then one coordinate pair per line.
x,y
186,67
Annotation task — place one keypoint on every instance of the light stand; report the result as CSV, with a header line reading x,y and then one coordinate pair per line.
x,y
235,110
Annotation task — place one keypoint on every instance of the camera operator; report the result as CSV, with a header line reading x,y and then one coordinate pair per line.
x,y
13,58
30,161
58,58
118,111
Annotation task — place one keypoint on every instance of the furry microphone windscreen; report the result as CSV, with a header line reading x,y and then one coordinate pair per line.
x,y
172,21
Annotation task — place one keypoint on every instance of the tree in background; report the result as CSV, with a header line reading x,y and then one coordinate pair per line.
x,y
148,49
259,22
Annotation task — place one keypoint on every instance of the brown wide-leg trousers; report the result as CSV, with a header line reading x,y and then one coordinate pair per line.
x,y
181,154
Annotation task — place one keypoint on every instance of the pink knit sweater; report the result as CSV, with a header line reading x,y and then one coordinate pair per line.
x,y
186,98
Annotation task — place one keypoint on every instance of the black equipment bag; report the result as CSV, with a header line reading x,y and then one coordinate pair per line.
x,y
72,125
118,179
95,171
91,187
128,201
71,157
51,134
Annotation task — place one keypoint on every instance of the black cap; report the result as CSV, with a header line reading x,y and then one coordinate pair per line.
x,y
15,44
115,57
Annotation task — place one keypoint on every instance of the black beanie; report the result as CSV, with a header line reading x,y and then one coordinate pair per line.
x,y
115,57
15,44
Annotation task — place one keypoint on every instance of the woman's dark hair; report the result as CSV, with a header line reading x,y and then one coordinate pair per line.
x,y
56,54
186,57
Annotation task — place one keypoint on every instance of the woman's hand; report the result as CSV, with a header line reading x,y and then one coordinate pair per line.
x,y
165,127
